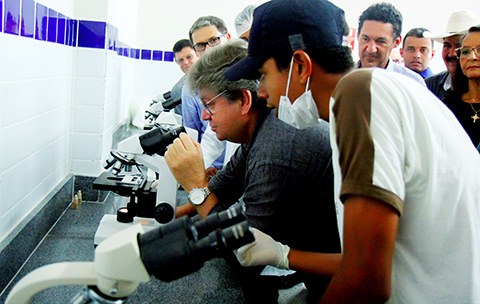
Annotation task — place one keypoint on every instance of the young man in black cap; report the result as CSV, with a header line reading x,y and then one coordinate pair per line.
x,y
275,165
393,144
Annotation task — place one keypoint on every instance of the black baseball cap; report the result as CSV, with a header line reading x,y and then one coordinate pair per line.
x,y
287,26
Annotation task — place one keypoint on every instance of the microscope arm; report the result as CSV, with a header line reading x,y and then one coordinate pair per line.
x,y
68,273
117,270
132,256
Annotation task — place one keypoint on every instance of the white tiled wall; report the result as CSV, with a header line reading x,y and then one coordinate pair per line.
x,y
89,74
59,107
22,192
90,63
35,111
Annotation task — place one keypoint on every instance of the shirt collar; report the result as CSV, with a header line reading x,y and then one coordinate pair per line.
x,y
448,83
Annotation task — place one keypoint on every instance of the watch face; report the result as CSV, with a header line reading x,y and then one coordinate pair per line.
x,y
196,196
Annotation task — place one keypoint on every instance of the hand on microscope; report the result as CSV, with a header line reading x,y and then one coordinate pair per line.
x,y
185,159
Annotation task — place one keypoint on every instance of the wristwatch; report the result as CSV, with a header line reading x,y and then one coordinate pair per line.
x,y
198,195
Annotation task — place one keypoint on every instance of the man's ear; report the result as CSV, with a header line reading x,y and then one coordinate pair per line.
x,y
246,101
397,41
302,65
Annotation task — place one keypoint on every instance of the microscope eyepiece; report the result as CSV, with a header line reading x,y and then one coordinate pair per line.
x,y
157,140
178,248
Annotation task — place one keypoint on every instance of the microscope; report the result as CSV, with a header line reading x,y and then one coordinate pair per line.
x,y
152,199
132,256
160,104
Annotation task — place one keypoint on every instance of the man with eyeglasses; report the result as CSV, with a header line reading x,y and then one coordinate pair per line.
x,y
205,33
277,171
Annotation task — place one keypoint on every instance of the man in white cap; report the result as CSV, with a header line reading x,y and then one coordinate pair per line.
x,y
458,23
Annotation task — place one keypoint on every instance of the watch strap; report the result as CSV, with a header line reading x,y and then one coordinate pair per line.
x,y
206,192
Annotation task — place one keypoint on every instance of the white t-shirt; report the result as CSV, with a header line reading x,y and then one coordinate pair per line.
x,y
397,68
394,141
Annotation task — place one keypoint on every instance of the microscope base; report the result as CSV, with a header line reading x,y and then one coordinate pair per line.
x,y
109,226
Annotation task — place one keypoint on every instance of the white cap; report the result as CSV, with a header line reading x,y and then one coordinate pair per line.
x,y
244,19
458,24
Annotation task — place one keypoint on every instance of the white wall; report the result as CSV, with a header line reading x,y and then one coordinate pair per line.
x,y
66,7
161,24
123,14
91,128
168,22
35,111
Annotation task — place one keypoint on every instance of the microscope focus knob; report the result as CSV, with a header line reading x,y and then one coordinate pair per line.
x,y
164,213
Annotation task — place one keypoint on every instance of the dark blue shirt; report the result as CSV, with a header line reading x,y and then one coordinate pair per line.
x,y
427,73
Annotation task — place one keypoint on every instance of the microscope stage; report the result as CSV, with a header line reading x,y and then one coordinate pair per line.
x,y
109,226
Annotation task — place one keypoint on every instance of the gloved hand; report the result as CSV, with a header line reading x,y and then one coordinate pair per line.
x,y
263,251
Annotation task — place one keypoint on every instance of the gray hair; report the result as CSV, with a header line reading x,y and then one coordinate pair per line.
x,y
208,71
207,21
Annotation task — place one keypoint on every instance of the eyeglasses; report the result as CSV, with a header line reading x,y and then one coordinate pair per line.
x,y
464,52
207,104
201,46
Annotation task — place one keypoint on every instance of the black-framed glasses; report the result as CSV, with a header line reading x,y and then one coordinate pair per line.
x,y
207,104
201,46
464,52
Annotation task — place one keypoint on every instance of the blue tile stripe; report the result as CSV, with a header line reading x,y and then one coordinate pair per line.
x,y
1,15
41,18
12,17
91,34
29,19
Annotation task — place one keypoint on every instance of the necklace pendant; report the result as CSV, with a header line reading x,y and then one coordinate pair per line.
x,y
475,117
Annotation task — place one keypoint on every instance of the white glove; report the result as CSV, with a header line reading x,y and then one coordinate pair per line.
x,y
263,251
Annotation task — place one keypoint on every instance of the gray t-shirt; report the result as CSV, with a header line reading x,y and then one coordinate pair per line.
x,y
286,178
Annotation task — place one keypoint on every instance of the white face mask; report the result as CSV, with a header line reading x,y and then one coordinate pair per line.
x,y
301,114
